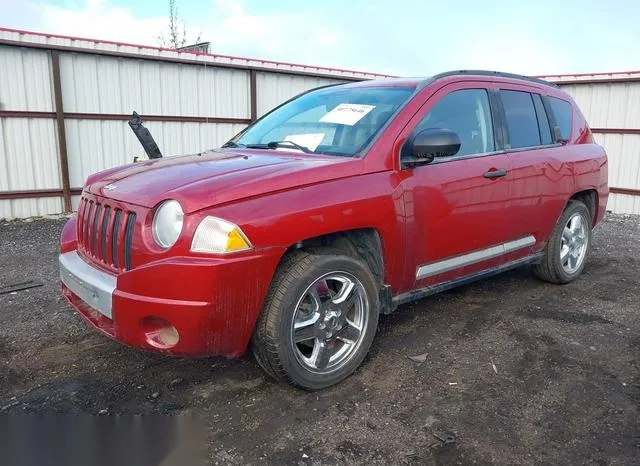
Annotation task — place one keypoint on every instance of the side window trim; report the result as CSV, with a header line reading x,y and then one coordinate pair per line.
x,y
552,119
544,117
455,158
500,135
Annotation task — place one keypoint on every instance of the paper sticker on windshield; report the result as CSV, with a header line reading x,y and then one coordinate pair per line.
x,y
309,140
347,114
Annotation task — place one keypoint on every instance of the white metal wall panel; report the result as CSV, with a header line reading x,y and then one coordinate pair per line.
x,y
190,138
272,89
624,204
608,105
25,80
613,105
29,154
624,169
98,84
28,160
95,145
624,159
75,202
25,208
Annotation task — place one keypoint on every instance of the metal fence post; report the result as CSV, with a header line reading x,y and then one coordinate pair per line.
x,y
253,86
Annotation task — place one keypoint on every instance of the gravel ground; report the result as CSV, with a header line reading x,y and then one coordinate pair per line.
x,y
521,371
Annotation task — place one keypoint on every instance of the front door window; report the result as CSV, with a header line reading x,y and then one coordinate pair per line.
x,y
467,113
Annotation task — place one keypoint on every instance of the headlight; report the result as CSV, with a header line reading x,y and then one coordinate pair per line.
x,y
167,223
215,235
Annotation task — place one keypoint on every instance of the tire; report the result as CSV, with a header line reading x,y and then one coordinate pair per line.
x,y
558,265
306,335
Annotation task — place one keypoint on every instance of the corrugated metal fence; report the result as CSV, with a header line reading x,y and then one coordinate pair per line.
x,y
64,103
611,104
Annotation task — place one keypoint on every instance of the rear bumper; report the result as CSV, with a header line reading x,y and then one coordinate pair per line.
x,y
213,303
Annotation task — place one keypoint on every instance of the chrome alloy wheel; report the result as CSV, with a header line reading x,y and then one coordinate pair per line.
x,y
329,322
574,243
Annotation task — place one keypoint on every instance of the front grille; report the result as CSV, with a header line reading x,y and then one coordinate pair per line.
x,y
105,233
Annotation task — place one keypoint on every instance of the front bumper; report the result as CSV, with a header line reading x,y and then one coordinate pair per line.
x,y
91,285
213,303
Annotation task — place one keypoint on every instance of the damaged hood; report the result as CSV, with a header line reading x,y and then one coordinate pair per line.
x,y
216,177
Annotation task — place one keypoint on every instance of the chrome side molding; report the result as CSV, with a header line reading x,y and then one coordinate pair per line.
x,y
440,287
446,265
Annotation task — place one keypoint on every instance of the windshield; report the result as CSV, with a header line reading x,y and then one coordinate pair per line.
x,y
333,120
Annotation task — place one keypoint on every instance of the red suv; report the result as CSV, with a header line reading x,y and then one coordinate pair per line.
x,y
334,208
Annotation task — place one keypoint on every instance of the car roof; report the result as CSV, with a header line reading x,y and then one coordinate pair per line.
x,y
423,81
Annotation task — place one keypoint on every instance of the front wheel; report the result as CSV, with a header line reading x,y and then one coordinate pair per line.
x,y
567,249
318,321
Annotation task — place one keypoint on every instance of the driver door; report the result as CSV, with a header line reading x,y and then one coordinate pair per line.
x,y
457,206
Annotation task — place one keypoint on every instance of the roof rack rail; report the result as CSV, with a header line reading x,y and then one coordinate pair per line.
x,y
494,73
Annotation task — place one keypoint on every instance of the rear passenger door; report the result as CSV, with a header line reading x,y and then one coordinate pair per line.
x,y
539,176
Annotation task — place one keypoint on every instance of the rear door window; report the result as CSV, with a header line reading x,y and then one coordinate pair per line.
x,y
562,113
522,122
543,120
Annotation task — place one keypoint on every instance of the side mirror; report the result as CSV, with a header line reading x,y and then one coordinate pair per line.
x,y
431,143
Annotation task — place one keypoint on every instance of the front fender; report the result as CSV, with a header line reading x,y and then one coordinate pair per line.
x,y
68,237
285,218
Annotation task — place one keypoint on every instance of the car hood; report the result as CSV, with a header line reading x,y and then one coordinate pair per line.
x,y
216,177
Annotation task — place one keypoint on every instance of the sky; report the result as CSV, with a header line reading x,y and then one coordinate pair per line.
x,y
397,37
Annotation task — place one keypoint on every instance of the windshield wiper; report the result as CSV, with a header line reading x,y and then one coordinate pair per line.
x,y
232,144
276,144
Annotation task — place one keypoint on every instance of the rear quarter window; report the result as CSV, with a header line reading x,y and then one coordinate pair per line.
x,y
562,112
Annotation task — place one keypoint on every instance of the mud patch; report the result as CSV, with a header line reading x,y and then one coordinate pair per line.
x,y
564,316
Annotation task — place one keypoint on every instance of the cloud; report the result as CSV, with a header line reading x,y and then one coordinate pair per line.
x,y
518,55
414,38
227,24
229,6
272,35
102,20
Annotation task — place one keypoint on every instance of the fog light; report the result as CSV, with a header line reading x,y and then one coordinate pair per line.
x,y
160,333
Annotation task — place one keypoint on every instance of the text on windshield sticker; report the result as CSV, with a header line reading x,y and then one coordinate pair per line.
x,y
347,114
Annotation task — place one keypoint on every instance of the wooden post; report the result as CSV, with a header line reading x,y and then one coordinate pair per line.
x,y
62,135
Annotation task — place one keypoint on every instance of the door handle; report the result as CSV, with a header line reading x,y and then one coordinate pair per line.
x,y
495,173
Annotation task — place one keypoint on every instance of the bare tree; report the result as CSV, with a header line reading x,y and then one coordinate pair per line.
x,y
176,36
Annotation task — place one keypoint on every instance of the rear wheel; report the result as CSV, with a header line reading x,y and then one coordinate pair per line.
x,y
318,321
567,249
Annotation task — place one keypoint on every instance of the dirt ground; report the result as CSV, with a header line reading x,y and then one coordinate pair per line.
x,y
521,371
